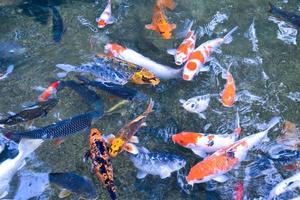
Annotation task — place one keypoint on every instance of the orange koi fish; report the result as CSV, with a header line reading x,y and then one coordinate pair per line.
x,y
145,77
159,20
98,153
202,54
51,90
105,18
182,53
216,165
228,95
126,134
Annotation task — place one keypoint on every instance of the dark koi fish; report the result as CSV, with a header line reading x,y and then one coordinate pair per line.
x,y
98,153
289,16
57,24
115,89
62,128
38,110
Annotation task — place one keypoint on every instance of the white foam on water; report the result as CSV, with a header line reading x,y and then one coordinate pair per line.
x,y
286,32
251,35
87,23
208,29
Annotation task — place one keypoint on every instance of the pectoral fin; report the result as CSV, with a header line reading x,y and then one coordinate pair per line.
x,y
134,139
199,152
204,69
131,148
150,27
221,178
108,138
111,20
171,51
64,193
201,115
141,174
164,174
173,26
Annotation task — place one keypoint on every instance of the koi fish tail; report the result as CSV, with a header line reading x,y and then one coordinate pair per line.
x,y
166,3
228,37
150,107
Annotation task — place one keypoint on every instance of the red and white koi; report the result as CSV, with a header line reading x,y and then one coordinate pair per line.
x,y
202,54
105,17
201,143
131,56
50,91
216,165
182,53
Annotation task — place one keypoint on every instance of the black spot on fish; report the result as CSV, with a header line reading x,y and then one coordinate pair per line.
x,y
210,143
230,154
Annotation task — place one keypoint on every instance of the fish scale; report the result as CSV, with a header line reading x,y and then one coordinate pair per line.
x,y
62,128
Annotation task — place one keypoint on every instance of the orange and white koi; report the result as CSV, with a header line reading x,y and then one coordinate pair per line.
x,y
182,53
201,143
202,54
127,134
228,95
131,56
50,91
216,165
105,17
159,20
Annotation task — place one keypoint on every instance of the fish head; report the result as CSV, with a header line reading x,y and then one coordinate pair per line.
x,y
116,146
114,49
166,29
186,139
101,23
190,69
190,105
180,58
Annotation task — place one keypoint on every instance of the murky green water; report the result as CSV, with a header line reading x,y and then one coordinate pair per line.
x,y
280,62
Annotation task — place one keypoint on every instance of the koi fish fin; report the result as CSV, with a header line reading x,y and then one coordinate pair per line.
x,y
66,67
228,37
204,69
141,174
134,139
221,178
144,124
108,138
111,20
173,26
131,148
61,74
201,115
22,165
171,51
144,149
199,152
182,101
150,27
64,193
164,174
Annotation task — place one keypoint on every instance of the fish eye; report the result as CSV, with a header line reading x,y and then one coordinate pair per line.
x,y
193,105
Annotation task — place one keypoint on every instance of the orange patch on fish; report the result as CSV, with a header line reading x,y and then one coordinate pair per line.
x,y
185,138
229,93
197,55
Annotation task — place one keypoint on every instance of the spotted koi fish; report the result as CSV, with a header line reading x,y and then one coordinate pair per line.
x,y
105,17
182,53
202,54
98,153
228,95
201,143
126,134
159,19
225,159
50,91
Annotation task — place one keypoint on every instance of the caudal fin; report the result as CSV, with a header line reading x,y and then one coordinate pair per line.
x,y
150,107
166,3
228,37
27,146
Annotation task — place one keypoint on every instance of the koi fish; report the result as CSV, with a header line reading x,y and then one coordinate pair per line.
x,y
99,155
290,17
228,95
38,110
196,104
102,69
105,17
144,77
202,54
156,163
130,56
201,143
159,19
62,128
225,159
127,132
89,96
285,185
49,92
9,167
57,25
117,90
238,191
182,53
